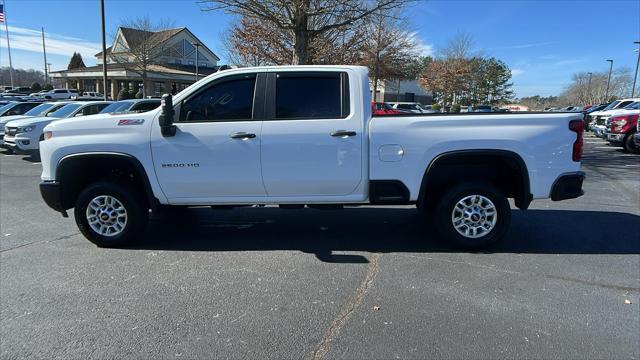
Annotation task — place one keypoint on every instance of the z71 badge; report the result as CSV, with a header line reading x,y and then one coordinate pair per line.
x,y
130,122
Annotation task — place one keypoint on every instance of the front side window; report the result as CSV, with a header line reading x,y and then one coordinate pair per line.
x,y
321,95
231,99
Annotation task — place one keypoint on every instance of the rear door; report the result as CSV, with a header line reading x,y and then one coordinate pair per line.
x,y
312,139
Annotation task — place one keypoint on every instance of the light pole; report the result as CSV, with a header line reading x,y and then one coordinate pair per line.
x,y
197,45
589,88
635,77
46,79
606,93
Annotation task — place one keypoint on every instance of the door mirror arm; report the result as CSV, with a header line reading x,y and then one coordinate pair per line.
x,y
166,116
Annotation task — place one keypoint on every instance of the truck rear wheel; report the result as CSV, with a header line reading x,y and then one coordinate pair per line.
x,y
110,214
472,215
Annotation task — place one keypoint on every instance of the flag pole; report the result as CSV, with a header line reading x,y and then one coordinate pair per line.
x,y
6,28
44,51
104,52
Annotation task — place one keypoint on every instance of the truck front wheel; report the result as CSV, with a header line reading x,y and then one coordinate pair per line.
x,y
629,145
110,214
472,215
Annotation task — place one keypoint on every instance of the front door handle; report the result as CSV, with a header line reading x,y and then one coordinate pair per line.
x,y
343,133
242,135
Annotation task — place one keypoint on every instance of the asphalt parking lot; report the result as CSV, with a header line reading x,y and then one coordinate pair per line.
x,y
357,283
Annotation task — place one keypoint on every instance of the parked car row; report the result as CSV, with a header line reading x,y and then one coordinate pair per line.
x,y
22,123
616,122
392,108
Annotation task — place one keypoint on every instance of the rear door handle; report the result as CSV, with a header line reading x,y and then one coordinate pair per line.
x,y
343,133
242,135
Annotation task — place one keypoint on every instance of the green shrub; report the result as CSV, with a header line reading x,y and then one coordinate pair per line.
x,y
48,87
436,107
455,108
124,95
36,87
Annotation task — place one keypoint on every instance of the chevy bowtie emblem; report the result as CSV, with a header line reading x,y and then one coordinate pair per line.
x,y
130,122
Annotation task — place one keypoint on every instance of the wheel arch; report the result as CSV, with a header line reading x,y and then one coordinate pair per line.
x,y
77,170
455,163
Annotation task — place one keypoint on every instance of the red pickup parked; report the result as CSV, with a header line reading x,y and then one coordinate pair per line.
x,y
623,128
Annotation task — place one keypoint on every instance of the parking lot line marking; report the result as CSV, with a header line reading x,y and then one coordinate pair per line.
x,y
605,147
36,163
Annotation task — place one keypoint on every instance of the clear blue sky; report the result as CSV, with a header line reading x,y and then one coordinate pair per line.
x,y
544,42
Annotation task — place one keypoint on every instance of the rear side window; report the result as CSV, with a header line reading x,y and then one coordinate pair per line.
x,y
319,95
231,99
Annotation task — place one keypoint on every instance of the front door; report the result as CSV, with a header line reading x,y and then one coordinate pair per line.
x,y
312,141
215,153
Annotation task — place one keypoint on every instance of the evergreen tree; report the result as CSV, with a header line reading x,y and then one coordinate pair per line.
x,y
36,87
76,62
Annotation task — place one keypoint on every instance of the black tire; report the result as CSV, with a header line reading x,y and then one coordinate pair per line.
x,y
629,145
444,213
137,213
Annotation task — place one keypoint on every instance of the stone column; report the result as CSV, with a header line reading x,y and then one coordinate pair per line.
x,y
98,85
80,84
67,84
114,90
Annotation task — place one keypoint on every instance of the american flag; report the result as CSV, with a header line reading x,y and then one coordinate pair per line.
x,y
1,13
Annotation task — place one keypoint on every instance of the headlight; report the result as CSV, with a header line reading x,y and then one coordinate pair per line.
x,y
48,135
25,129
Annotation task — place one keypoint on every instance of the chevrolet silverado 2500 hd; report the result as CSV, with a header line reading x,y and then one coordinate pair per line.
x,y
299,135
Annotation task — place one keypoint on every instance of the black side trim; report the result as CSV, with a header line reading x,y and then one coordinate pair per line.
x,y
568,186
52,195
153,202
522,200
388,192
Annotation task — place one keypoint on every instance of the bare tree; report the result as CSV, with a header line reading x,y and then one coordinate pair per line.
x,y
579,91
144,45
388,49
305,20
459,47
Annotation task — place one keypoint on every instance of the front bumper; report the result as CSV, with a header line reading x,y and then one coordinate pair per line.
x,y
19,143
568,186
51,192
615,138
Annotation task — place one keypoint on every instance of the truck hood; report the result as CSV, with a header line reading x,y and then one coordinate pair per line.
x,y
623,112
31,121
6,119
98,122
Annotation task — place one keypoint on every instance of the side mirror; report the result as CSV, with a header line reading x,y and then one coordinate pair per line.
x,y
166,116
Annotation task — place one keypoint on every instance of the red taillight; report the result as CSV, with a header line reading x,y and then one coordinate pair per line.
x,y
577,126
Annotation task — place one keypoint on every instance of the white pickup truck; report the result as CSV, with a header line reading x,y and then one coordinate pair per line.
x,y
304,135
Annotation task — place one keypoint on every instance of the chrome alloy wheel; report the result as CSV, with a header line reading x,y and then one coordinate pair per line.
x,y
106,215
474,216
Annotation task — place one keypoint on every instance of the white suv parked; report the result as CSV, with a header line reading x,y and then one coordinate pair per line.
x,y
59,94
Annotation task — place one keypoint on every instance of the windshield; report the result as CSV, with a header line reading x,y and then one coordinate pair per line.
x,y
633,106
65,111
612,105
39,110
5,108
117,107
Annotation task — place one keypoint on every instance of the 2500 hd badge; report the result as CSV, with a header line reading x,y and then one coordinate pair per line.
x,y
181,165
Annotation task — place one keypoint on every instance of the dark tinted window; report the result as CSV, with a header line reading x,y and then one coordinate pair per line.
x,y
117,107
231,99
146,106
321,95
